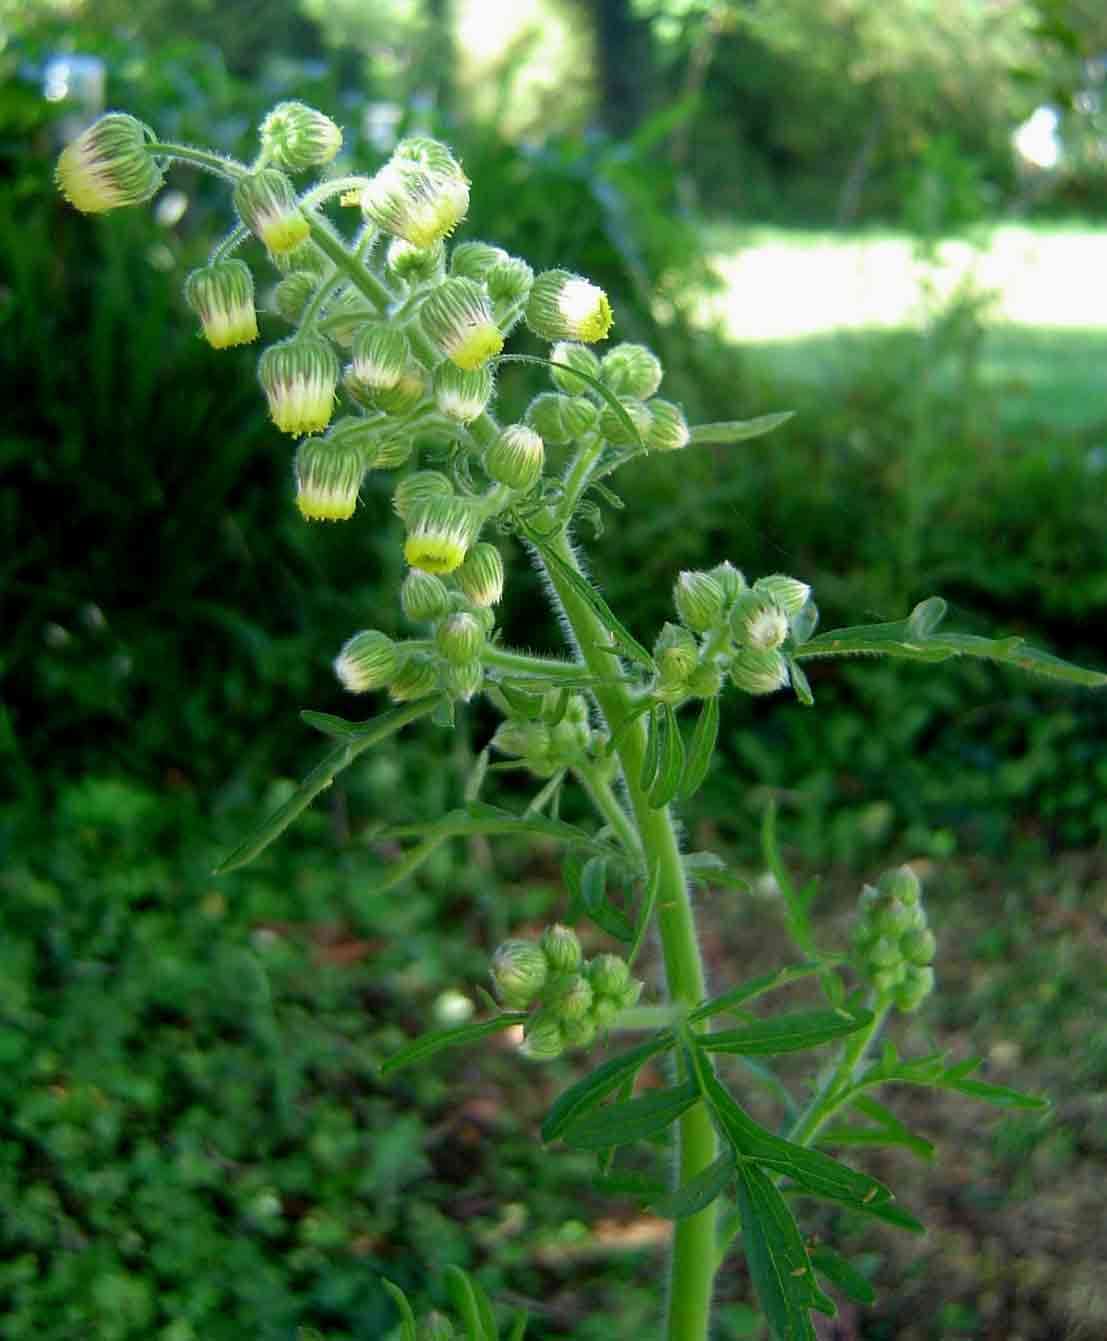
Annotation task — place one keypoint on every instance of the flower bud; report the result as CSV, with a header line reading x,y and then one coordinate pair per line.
x,y
293,294
580,1032
519,971
698,598
423,597
516,457
757,622
298,137
109,165
605,1011
561,947
267,205
222,296
415,490
917,985
631,370
459,395
420,194
458,321
299,377
609,975
329,472
704,682
304,259
508,283
520,739
413,264
615,430
676,654
919,946
543,1039
411,388
368,660
759,672
465,680
416,678
730,581
563,306
546,414
460,638
570,997
439,533
473,260
787,592
668,431
390,451
381,355
580,416
902,884
578,357
481,576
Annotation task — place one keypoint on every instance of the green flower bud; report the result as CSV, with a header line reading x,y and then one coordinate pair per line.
x,y
576,356
519,972
508,284
563,306
605,1012
298,137
705,681
481,576
423,597
631,994
676,654
303,259
521,740
420,194
390,451
222,296
465,680
570,740
109,165
616,431
267,205
436,1327
579,1033
473,260
516,457
902,884
917,985
668,428
758,623
609,976
411,388
368,660
918,947
631,370
891,918
439,533
419,488
543,1039
460,638
883,953
580,415
561,947
730,581
699,602
416,678
458,321
885,981
293,294
381,355
570,997
546,414
759,672
299,377
461,395
413,264
328,472
787,592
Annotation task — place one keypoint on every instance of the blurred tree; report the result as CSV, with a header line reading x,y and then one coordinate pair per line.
x,y
624,62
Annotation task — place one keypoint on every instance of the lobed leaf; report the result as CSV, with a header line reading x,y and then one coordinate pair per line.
x,y
595,1087
694,1195
836,1269
778,1263
749,991
593,893
670,765
455,1036
701,748
793,1032
407,1317
637,1119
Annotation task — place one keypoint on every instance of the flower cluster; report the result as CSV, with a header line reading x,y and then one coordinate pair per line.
x,y
893,948
573,999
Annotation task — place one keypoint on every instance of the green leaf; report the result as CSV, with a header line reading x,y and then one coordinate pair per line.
x,y
521,701
651,759
670,768
455,1036
468,1305
698,1192
999,1095
595,1087
777,1260
700,749
886,1130
800,683
622,636
593,892
749,991
638,1119
518,1327
888,1212
597,386
787,1033
739,430
627,1183
407,1318
708,868
361,735
645,912
834,1267
480,818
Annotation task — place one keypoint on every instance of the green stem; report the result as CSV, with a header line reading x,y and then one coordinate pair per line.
x,y
234,239
318,298
333,187
692,1268
607,803
522,663
576,477
359,275
230,168
838,1087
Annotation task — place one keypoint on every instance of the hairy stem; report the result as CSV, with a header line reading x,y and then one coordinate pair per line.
x,y
607,803
838,1087
359,275
692,1266
222,166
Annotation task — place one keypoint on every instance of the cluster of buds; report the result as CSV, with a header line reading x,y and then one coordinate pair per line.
x,y
559,736
893,948
571,999
728,626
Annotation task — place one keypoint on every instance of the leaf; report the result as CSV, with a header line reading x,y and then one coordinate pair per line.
x,y
467,1304
834,1267
475,781
595,1087
455,1036
360,737
698,1192
999,1095
888,1212
800,683
521,701
670,768
407,1318
787,1033
700,749
645,912
637,1119
708,868
518,1327
749,991
605,392
651,759
626,1183
480,818
739,430
886,1130
593,892
624,639
777,1260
